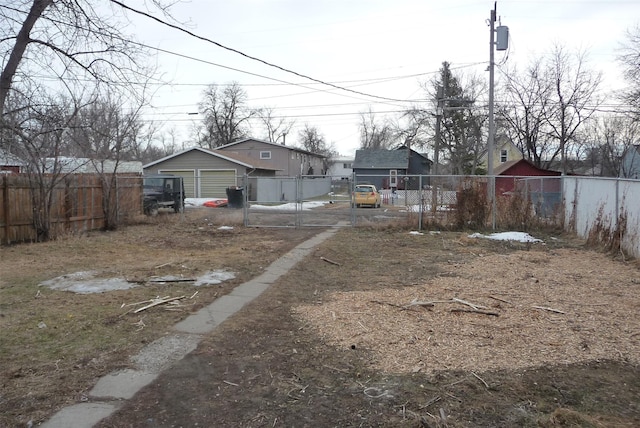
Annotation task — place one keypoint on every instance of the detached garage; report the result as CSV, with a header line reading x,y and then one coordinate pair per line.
x,y
207,173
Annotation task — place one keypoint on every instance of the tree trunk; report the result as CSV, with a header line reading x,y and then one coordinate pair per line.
x,y
22,40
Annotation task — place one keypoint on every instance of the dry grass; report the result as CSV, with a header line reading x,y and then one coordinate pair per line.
x,y
56,344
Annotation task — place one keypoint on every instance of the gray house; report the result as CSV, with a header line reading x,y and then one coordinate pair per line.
x,y
208,173
630,167
388,168
287,161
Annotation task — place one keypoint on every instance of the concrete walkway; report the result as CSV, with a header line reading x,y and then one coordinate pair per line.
x,y
109,393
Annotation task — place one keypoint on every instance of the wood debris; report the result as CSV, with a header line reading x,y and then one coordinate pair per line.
x,y
402,340
544,308
158,301
477,311
171,302
329,261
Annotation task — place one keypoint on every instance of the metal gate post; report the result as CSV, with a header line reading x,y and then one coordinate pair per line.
x,y
245,197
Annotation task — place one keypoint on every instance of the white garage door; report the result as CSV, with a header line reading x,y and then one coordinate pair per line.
x,y
213,184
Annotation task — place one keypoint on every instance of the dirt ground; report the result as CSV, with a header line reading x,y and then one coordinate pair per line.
x,y
378,327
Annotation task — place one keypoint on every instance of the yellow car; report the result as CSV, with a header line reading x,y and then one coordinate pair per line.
x,y
365,194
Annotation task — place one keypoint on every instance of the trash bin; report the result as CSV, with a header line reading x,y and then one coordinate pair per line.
x,y
234,197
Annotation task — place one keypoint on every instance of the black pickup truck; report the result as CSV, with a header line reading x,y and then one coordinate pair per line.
x,y
162,191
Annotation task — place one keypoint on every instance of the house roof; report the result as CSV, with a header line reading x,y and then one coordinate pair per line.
x,y
74,165
9,159
383,159
226,155
504,167
245,140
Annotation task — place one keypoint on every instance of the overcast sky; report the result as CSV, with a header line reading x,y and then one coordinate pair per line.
x,y
381,48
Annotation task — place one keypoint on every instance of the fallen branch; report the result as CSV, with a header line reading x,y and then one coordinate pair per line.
x,y
464,302
329,261
477,311
481,380
158,302
173,280
416,302
500,300
544,308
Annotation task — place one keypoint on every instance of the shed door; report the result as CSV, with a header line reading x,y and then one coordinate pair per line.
x,y
189,178
213,184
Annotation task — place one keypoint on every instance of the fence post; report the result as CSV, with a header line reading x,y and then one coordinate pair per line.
x,y
617,203
420,211
245,195
492,195
5,209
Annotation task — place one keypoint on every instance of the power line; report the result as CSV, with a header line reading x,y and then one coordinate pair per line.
x,y
124,6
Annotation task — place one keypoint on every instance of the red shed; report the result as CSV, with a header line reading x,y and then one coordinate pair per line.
x,y
513,174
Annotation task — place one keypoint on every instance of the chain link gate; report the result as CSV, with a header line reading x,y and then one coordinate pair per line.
x,y
308,201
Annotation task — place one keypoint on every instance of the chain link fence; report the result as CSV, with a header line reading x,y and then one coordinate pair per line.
x,y
414,201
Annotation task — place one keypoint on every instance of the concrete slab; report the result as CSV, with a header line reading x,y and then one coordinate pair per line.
x,y
252,288
162,353
123,384
209,317
83,415
270,276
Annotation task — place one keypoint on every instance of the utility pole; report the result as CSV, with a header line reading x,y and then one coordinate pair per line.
x,y
490,140
491,185
502,44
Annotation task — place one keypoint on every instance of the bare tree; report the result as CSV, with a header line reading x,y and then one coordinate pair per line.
x,y
70,39
574,98
277,128
70,42
375,134
105,133
225,114
545,108
39,135
607,140
630,60
416,129
522,111
310,139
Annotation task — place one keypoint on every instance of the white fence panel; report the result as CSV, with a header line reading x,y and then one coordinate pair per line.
x,y
592,202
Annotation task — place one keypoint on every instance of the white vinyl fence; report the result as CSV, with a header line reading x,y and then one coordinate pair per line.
x,y
608,207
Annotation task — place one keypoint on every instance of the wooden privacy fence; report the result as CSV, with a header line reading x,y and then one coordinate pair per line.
x,y
80,203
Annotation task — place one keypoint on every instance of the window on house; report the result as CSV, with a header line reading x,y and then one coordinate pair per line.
x,y
347,165
265,155
503,155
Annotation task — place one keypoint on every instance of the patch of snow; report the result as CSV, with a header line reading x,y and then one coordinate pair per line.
x,y
225,228
214,277
87,283
291,206
413,232
507,236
